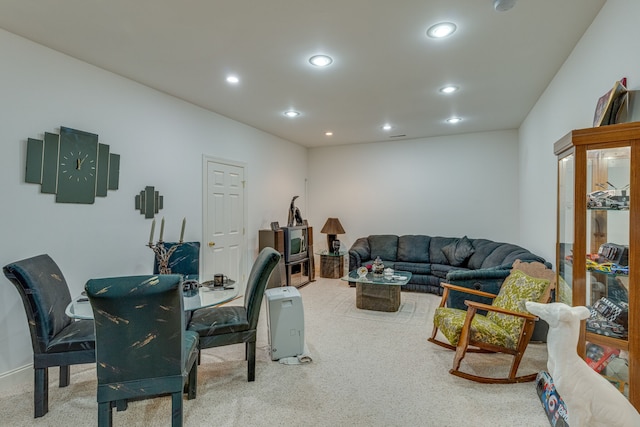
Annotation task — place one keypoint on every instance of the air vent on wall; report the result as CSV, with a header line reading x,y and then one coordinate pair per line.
x,y
397,136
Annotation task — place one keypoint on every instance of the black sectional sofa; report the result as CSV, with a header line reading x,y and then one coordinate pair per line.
x,y
474,263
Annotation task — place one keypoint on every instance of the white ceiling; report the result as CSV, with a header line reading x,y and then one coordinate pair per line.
x,y
385,68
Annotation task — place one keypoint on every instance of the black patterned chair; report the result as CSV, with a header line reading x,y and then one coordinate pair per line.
x,y
220,326
57,340
184,260
142,346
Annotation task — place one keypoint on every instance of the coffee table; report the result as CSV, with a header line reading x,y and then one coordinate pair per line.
x,y
378,292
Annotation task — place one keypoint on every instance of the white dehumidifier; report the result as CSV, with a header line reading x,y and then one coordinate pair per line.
x,y
285,320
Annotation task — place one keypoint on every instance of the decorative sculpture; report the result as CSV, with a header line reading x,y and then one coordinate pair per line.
x,y
162,253
591,400
294,213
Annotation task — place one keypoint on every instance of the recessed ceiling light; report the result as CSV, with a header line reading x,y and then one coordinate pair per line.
x,y
449,89
328,133
454,120
503,5
291,113
320,60
441,29
386,126
233,79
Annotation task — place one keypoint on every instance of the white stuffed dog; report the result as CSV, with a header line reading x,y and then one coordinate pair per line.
x,y
591,400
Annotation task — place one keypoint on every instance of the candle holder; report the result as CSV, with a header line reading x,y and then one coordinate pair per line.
x,y
163,254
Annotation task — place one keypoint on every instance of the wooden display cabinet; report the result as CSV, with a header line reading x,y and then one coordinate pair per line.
x,y
296,273
598,246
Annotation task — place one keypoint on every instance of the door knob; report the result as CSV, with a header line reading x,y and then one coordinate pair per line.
x,y
211,244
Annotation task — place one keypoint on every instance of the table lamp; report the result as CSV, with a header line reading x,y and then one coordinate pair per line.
x,y
332,227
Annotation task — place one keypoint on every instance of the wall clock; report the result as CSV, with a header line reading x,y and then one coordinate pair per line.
x,y
73,165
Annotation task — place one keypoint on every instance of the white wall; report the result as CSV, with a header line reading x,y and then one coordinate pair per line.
x,y
161,141
445,186
607,52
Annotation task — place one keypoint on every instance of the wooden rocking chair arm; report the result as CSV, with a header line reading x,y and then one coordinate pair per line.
x,y
480,306
467,290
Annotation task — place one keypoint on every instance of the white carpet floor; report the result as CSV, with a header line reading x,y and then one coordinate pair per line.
x,y
368,369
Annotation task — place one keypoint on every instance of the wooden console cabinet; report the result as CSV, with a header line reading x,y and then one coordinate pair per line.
x,y
296,273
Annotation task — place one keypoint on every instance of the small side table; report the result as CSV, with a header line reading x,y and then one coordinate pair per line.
x,y
332,264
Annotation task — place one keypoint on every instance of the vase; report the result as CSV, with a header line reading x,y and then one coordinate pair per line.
x,y
378,267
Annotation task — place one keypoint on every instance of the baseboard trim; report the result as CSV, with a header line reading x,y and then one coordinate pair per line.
x,y
15,378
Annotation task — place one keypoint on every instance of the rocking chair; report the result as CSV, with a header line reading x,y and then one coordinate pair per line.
x,y
506,328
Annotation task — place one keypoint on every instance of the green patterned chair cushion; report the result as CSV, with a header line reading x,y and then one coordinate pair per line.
x,y
450,321
495,328
517,288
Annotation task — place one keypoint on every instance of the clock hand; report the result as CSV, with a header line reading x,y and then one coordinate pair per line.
x,y
79,163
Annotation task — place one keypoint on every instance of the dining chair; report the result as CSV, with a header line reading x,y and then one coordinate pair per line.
x,y
506,328
143,349
220,326
184,260
56,339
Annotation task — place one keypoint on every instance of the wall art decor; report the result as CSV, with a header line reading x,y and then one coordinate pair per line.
x,y
72,165
149,202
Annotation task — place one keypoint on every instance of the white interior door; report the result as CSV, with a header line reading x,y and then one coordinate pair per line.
x,y
223,220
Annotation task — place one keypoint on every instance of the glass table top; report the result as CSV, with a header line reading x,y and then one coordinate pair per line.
x,y
397,278
204,296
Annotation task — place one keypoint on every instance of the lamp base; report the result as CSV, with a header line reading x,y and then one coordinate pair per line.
x,y
333,244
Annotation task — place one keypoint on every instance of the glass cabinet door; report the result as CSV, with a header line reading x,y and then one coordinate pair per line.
x,y
607,262
566,166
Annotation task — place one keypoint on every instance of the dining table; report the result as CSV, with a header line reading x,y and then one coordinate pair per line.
x,y
195,296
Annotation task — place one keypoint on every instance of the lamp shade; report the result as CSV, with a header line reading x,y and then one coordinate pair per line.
x,y
332,226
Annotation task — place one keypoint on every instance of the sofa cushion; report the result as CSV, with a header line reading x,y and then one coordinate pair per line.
x,y
436,256
451,320
441,270
458,252
413,248
483,249
413,267
384,246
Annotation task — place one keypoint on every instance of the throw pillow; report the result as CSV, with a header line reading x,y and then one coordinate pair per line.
x,y
517,288
458,252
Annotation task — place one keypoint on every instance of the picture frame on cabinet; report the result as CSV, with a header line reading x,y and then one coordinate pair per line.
x,y
612,106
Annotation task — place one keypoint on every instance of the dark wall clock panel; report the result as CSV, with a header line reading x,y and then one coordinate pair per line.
x,y
77,166
50,163
114,171
33,172
103,170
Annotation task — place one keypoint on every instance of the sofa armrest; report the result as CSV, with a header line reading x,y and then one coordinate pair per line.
x,y
501,271
359,252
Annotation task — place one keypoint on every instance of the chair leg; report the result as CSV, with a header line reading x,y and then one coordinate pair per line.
x,y
463,340
176,409
65,375
192,382
41,392
121,404
104,414
251,361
